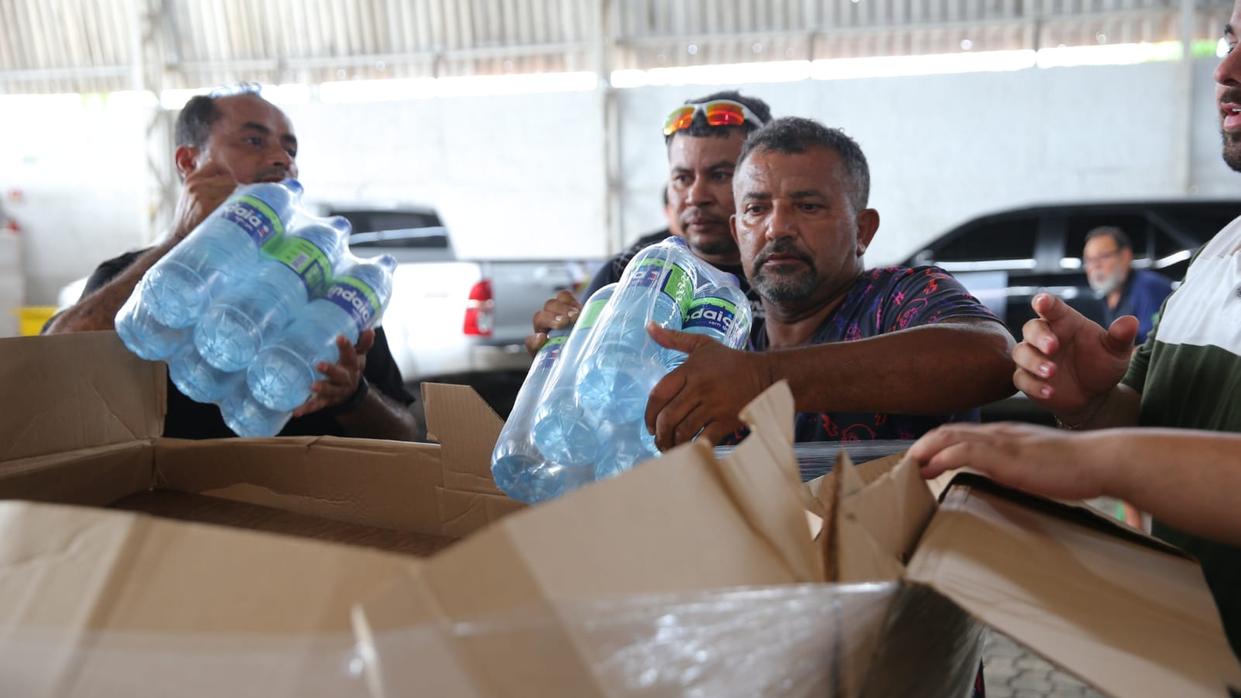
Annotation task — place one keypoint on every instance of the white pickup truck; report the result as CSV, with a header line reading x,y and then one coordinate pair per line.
x,y
452,319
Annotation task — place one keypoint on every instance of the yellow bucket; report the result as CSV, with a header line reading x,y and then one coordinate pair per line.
x,y
32,318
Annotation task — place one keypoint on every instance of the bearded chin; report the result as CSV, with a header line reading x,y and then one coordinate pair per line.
x,y
783,289
1232,151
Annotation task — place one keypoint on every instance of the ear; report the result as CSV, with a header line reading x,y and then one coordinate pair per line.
x,y
867,226
186,159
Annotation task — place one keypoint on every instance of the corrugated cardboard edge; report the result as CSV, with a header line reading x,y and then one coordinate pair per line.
x,y
94,476
68,403
770,498
466,429
86,591
1115,632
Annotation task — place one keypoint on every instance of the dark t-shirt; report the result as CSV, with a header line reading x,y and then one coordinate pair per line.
x,y
187,419
882,301
614,268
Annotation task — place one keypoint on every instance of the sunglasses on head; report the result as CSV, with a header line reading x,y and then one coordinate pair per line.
x,y
721,112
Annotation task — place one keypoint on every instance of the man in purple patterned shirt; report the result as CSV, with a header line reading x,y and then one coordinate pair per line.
x,y
881,354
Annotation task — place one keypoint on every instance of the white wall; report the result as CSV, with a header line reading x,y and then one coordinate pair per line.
x,y
72,173
512,176
943,149
522,176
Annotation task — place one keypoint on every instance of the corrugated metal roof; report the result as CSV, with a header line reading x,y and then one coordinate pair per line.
x,y
103,45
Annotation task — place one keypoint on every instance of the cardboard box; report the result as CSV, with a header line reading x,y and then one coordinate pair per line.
x,y
1125,613
106,602
690,575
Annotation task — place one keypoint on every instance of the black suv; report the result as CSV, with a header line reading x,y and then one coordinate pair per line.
x,y
1006,258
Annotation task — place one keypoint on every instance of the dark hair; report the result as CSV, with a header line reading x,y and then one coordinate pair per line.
x,y
1111,231
699,128
200,112
793,134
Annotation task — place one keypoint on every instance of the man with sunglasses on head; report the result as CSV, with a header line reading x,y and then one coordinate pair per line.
x,y
703,138
888,353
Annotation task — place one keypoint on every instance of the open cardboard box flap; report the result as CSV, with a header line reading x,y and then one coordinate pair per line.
x,y
1124,613
87,431
99,602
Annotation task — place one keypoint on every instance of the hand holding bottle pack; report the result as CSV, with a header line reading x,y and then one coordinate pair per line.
x,y
255,269
579,414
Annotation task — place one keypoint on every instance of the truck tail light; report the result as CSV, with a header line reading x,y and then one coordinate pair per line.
x,y
479,310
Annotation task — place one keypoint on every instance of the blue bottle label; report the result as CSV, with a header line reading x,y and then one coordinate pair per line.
x,y
676,282
355,298
254,216
310,263
715,314
550,352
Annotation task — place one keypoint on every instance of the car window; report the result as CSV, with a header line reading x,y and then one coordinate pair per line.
x,y
1135,225
411,229
983,245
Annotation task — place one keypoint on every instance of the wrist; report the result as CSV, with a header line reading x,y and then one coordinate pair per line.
x,y
1081,419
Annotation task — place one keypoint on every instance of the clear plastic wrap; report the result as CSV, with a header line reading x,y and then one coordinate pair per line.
x,y
579,415
245,307
803,640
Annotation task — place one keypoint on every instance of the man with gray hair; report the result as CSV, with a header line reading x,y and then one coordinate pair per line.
x,y
226,139
1108,260
887,353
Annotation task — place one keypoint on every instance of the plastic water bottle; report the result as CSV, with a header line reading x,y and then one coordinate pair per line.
x,y
246,416
146,336
294,269
518,465
624,446
721,311
623,364
562,430
222,249
281,376
199,380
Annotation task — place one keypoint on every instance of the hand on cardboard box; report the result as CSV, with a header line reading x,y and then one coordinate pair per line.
x,y
341,379
1040,460
706,393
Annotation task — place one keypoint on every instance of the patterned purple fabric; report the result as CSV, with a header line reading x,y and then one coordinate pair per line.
x,y
886,300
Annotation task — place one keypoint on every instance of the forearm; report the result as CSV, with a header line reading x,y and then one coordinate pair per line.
x,y
935,369
1190,480
379,417
98,310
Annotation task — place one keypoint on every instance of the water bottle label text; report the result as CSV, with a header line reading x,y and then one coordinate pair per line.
x,y
355,298
253,216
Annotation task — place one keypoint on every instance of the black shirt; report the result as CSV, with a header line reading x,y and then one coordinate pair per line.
x,y
614,268
187,419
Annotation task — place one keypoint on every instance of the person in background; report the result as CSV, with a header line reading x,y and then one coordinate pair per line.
x,y
888,353
1108,260
225,139
703,138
